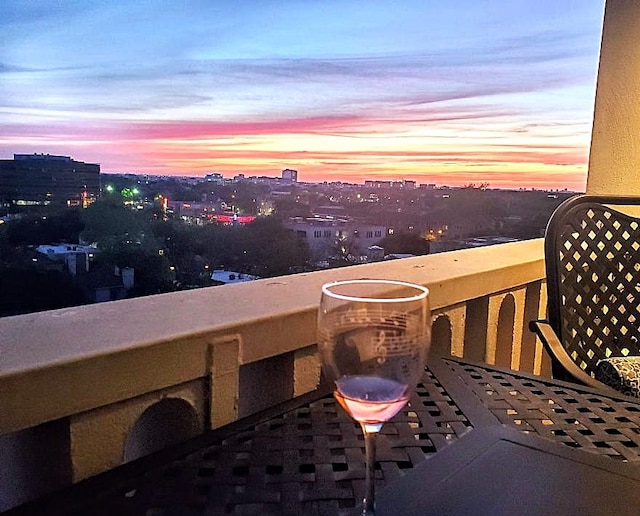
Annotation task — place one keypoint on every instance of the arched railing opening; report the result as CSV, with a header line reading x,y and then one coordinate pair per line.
x,y
504,342
475,330
531,311
166,422
441,337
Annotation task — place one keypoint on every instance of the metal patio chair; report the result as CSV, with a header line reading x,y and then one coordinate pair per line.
x,y
592,260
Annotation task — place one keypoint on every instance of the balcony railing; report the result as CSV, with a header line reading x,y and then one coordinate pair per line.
x,y
84,389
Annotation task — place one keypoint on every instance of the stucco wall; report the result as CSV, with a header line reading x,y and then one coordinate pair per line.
x,y
614,161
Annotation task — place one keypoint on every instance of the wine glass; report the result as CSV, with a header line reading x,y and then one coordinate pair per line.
x,y
373,340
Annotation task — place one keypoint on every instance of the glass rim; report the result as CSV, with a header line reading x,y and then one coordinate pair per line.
x,y
424,291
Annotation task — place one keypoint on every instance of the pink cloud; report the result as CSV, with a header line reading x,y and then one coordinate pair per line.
x,y
202,130
197,147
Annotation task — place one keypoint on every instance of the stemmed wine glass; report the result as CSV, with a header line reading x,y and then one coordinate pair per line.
x,y
373,339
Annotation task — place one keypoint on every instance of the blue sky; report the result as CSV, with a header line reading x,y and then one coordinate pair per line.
x,y
450,92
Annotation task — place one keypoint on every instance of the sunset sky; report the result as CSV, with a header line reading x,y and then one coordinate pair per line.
x,y
441,91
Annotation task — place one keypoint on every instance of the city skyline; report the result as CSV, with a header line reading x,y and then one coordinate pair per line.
x,y
438,92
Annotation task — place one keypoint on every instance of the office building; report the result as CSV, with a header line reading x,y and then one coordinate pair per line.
x,y
44,179
331,237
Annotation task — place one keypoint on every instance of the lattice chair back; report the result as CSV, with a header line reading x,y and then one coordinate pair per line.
x,y
592,252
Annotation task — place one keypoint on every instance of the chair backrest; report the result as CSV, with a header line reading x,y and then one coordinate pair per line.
x,y
592,253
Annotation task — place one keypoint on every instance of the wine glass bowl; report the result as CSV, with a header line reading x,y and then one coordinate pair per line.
x,y
373,340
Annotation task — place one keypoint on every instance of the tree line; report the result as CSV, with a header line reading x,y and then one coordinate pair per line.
x,y
166,254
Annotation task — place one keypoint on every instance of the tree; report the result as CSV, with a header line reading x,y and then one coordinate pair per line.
x,y
404,243
26,290
286,207
7,250
108,223
55,227
345,249
127,238
245,199
151,270
185,249
271,249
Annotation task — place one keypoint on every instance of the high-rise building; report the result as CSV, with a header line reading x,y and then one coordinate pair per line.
x,y
290,175
42,179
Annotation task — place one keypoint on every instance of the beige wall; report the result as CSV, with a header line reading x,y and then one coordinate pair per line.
x,y
614,161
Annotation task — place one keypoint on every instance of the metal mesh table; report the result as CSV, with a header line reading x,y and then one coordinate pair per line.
x,y
576,417
307,456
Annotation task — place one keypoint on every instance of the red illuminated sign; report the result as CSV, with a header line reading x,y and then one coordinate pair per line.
x,y
235,219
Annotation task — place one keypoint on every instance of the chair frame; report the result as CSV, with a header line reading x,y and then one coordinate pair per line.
x,y
592,262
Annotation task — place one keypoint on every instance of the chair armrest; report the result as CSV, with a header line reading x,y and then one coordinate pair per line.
x,y
555,348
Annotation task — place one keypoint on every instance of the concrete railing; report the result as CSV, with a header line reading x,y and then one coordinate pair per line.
x,y
84,389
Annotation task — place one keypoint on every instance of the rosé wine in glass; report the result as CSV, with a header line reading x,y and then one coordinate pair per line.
x,y
371,399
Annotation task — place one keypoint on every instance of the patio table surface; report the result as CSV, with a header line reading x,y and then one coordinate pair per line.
x,y
307,456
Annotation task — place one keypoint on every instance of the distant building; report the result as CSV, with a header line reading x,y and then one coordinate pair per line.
x,y
281,194
44,179
331,237
99,284
401,184
75,257
375,253
227,277
215,178
328,212
369,183
289,175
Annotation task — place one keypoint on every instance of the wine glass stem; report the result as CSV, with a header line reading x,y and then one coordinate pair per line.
x,y
370,437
